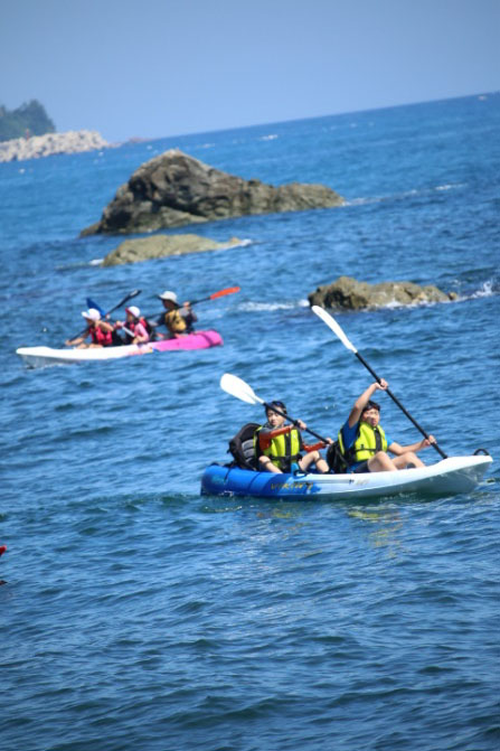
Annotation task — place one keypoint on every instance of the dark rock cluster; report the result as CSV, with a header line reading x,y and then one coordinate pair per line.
x,y
347,293
175,189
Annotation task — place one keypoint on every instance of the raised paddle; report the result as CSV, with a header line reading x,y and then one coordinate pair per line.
x,y
128,297
215,295
334,326
92,304
241,390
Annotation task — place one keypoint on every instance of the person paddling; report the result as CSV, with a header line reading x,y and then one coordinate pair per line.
x,y
364,443
279,447
136,327
101,332
178,319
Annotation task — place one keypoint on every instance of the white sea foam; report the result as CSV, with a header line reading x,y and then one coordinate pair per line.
x,y
270,137
259,307
486,290
242,244
362,201
450,186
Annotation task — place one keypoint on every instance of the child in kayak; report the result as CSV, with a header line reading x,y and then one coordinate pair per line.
x,y
178,319
136,326
364,443
100,331
279,447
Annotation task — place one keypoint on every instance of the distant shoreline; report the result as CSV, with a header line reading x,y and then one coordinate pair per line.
x,y
36,147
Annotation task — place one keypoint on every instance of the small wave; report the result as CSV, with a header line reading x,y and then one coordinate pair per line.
x,y
450,186
270,137
243,244
258,307
486,290
363,201
79,264
393,304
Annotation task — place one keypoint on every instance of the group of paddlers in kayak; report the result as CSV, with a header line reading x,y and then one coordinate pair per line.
x,y
362,444
136,329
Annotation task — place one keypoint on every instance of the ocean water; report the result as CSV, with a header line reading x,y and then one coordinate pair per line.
x,y
138,614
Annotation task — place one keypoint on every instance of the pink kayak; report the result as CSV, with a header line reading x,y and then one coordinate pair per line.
x,y
198,340
39,357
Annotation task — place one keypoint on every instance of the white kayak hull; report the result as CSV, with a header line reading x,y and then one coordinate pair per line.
x,y
459,474
39,357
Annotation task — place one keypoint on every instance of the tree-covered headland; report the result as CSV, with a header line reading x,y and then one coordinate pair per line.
x,y
30,119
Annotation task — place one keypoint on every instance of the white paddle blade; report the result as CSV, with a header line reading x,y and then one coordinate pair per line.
x,y
333,325
238,388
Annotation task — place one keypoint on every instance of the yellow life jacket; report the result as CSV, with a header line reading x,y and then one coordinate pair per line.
x,y
174,322
283,449
369,440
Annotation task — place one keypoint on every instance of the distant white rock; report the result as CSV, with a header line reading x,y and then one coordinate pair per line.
x,y
72,142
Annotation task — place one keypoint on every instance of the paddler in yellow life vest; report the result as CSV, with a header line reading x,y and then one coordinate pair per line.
x,y
364,443
178,319
279,446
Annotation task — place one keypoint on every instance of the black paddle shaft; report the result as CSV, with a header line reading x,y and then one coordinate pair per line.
x,y
128,297
125,299
295,422
396,401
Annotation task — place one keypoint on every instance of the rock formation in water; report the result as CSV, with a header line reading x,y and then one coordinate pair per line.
x,y
175,189
35,147
347,293
158,246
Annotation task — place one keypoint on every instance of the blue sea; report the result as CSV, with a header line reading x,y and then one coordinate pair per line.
x,y
139,614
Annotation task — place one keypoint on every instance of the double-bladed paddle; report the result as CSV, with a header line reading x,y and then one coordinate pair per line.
x,y
242,390
334,326
215,295
103,314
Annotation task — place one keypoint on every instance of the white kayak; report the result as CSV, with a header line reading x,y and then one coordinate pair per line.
x,y
39,357
451,476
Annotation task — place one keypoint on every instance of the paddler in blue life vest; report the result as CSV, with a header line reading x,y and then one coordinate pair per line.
x,y
364,443
279,447
101,332
177,318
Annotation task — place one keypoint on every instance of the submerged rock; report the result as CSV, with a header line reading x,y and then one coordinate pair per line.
x,y
347,293
175,189
144,249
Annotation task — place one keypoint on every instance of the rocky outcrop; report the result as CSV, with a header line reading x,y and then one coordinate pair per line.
x,y
175,189
35,147
348,294
159,246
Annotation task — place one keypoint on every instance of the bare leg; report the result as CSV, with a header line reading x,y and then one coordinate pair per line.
x,y
382,462
313,457
266,465
408,458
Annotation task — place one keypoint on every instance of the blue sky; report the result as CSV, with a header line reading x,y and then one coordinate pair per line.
x,y
161,68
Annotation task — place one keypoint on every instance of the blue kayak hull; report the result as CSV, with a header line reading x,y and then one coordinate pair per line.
x,y
459,474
